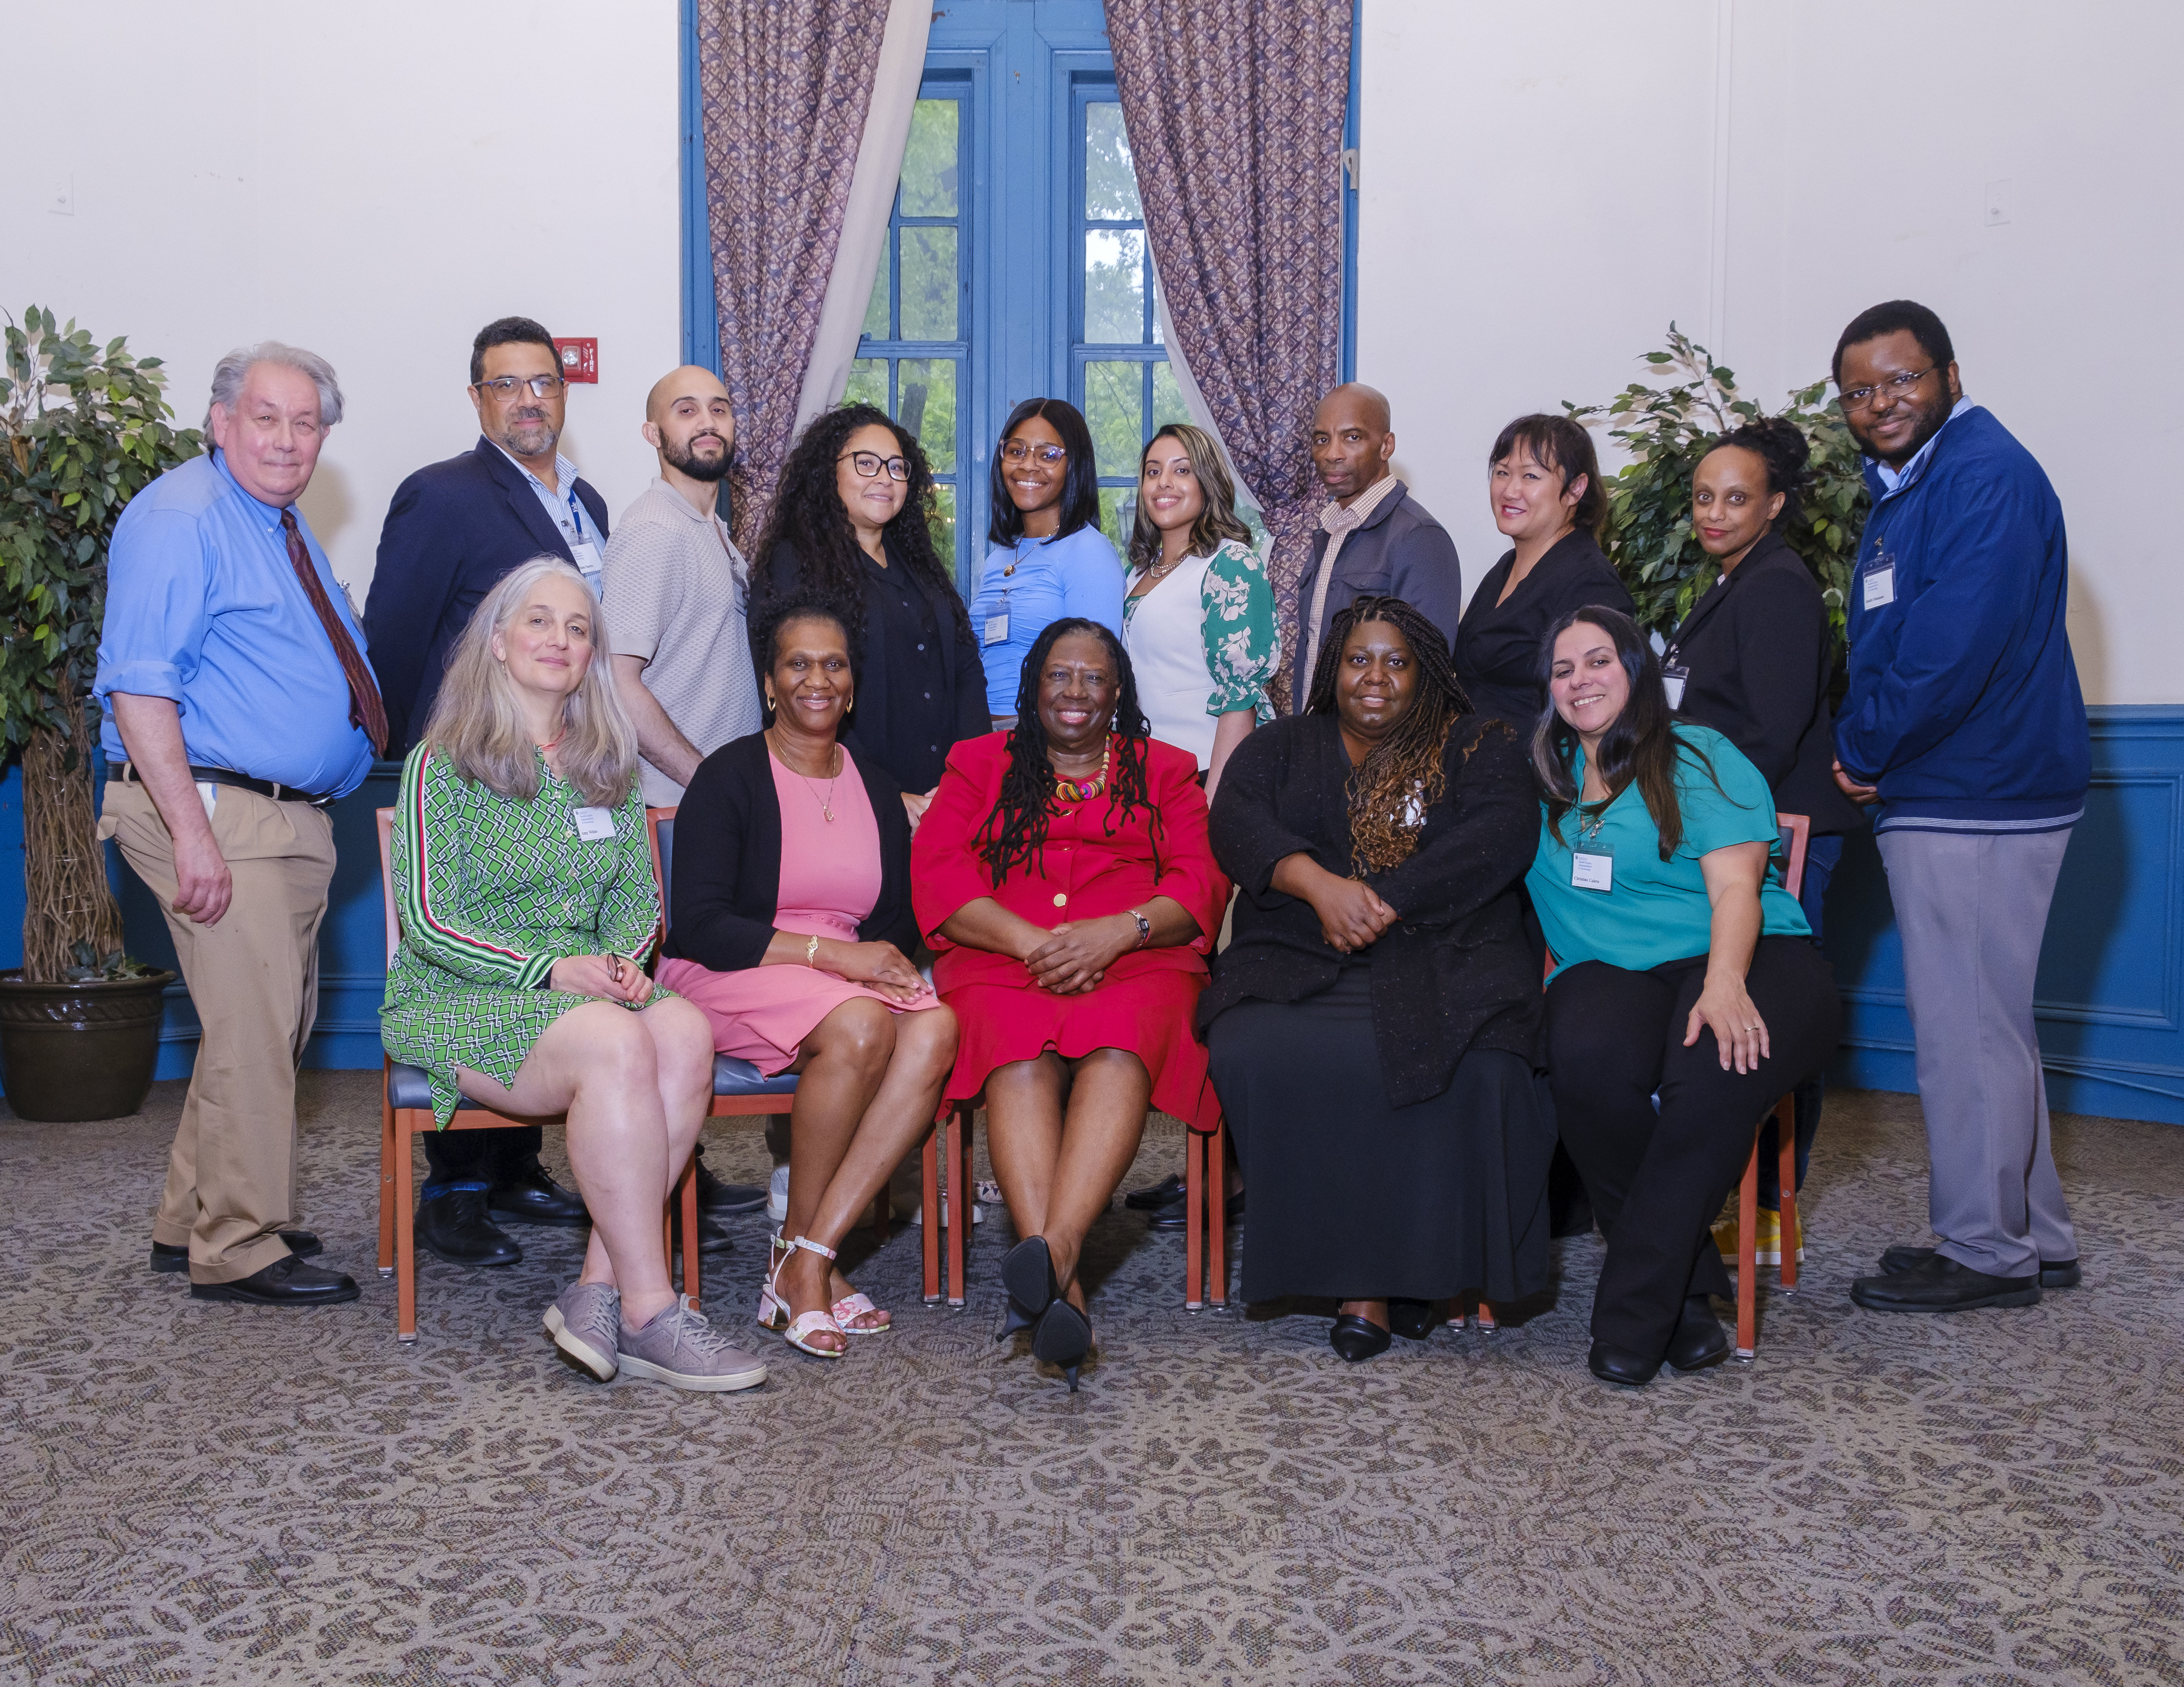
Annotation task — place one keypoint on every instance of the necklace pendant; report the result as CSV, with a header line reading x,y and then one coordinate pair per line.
x,y
828,811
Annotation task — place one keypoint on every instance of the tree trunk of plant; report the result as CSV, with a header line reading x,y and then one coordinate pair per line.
x,y
68,899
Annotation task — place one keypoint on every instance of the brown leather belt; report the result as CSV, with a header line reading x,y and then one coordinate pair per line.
x,y
126,773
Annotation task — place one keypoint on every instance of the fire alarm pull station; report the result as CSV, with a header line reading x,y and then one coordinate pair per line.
x,y
580,359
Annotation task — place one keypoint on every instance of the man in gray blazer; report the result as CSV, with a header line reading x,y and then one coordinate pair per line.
x,y
1375,539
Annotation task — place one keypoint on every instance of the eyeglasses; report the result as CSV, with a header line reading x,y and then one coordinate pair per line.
x,y
1897,387
1016,451
504,387
869,463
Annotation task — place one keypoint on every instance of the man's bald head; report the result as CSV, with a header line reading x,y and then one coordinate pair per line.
x,y
688,381
689,420
1353,399
1352,438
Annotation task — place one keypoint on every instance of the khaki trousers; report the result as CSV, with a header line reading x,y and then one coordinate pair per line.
x,y
254,978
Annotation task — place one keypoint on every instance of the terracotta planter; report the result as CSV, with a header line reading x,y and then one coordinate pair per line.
x,y
80,1051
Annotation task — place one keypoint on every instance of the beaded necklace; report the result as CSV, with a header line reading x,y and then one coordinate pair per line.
x,y
1083,790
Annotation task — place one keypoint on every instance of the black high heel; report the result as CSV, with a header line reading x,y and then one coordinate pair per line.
x,y
1357,1338
1413,1320
1028,1274
1063,1338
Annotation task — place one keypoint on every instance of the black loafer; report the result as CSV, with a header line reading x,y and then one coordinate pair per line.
x,y
288,1282
534,1198
1175,1214
1355,1338
712,1238
1613,1365
454,1227
1169,1189
301,1243
1414,1320
1938,1283
2053,1274
715,1196
1700,1341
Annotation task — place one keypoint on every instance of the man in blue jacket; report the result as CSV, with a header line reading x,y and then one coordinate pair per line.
x,y
1965,723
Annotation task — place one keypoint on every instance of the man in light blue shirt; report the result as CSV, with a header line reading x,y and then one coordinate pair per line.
x,y
238,704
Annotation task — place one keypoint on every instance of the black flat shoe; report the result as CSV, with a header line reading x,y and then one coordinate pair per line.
x,y
1939,1284
533,1197
1169,1189
1700,1341
1063,1338
1414,1320
727,1199
1027,1273
301,1243
712,1238
288,1282
2053,1274
454,1228
1355,1338
1613,1365
1176,1215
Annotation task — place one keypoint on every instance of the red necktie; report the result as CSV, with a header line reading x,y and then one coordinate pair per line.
x,y
365,708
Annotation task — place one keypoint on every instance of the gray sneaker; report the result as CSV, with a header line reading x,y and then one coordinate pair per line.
x,y
585,1322
679,1348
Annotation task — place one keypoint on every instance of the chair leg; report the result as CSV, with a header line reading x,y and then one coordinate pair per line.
x,y
1785,1133
405,1233
929,1210
961,1123
1747,1250
386,1144
686,1190
1194,1219
1216,1216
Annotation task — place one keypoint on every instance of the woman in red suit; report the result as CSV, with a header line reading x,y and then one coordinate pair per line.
x,y
1062,873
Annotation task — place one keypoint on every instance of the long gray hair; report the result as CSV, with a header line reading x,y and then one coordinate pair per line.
x,y
477,725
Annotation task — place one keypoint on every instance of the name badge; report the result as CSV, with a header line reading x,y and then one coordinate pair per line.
x,y
1591,871
588,561
595,826
997,628
1880,586
1672,682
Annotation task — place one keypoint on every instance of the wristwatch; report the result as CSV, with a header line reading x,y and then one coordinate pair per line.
x,y
1145,928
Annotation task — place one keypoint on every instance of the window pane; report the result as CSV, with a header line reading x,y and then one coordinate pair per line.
x,y
1114,410
1111,181
929,163
1167,398
927,387
876,312
1114,286
868,383
929,284
1118,512
941,524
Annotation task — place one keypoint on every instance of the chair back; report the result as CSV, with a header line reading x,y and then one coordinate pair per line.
x,y
660,825
385,817
1795,831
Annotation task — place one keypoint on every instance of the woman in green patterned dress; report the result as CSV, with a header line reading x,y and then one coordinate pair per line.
x,y
523,878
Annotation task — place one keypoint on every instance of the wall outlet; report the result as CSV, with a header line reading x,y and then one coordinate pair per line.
x,y
2001,200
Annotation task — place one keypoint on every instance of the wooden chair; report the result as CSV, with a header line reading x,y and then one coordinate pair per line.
x,y
406,1111
1797,831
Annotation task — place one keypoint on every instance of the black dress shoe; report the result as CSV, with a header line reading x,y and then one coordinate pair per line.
x,y
1414,1320
2053,1274
715,1196
301,1243
288,1282
1355,1338
1613,1365
1169,1189
1028,1274
454,1227
532,1197
1175,1215
712,1238
1063,1337
1700,1341
1938,1283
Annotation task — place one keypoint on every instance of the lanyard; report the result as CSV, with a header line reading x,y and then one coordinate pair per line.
x,y
576,513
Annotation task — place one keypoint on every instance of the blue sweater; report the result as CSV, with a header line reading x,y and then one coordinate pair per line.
x,y
1963,705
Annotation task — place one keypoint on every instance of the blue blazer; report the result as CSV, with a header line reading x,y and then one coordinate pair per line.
x,y
453,530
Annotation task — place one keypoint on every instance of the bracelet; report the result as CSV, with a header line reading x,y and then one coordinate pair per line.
x,y
811,953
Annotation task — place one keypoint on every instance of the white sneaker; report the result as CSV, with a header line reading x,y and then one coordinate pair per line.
x,y
777,1195
978,1213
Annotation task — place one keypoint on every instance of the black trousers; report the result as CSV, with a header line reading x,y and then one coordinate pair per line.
x,y
494,1156
1615,1040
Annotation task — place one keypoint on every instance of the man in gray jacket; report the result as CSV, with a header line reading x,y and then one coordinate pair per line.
x,y
1375,539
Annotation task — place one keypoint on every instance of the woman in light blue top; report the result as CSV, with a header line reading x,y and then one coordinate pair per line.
x,y
1048,557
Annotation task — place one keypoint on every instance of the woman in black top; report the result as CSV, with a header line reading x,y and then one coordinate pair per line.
x,y
848,527
1378,975
1543,482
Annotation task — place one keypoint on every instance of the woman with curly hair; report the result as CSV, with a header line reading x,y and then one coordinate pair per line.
x,y
1062,872
1378,978
849,528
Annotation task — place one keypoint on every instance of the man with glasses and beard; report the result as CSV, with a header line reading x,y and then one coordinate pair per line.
x,y
453,530
1965,723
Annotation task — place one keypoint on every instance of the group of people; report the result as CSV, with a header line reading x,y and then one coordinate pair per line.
x,y
1082,846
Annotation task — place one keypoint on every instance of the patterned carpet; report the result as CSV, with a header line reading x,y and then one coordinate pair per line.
x,y
192,1493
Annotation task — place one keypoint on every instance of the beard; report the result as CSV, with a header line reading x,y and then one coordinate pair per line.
x,y
683,461
1931,421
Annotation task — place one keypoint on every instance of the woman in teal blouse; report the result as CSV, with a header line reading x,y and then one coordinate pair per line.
x,y
1684,975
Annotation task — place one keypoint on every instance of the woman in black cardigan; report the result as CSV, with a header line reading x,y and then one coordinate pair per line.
x,y
1377,977
790,914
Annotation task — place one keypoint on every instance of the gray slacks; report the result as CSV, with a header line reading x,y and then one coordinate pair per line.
x,y
1971,908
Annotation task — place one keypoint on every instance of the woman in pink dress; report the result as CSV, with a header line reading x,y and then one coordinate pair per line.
x,y
789,918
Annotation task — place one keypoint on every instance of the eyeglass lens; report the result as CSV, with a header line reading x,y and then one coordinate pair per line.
x,y
1897,385
505,387
1016,451
869,463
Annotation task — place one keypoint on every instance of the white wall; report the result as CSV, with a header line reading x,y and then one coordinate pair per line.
x,y
376,182
1540,198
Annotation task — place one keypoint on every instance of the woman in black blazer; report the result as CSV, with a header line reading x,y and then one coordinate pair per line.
x,y
1543,482
1378,978
788,917
1752,660
848,527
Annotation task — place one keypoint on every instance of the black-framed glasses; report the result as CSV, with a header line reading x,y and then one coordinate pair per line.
x,y
504,387
1897,387
1017,451
868,464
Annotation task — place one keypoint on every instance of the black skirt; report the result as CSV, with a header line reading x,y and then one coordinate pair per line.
x,y
1354,1200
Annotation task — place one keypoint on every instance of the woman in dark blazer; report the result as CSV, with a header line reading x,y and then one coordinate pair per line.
x,y
1752,660
788,917
1377,977
1543,482
848,527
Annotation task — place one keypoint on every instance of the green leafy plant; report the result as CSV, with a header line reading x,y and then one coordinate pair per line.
x,y
85,429
1667,430
90,966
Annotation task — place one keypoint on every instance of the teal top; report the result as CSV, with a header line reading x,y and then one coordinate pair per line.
x,y
1655,912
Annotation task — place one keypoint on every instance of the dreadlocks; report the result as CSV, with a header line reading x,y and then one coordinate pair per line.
x,y
1404,774
1015,831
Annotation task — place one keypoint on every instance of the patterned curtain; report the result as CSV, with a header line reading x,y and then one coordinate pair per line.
x,y
1235,109
784,86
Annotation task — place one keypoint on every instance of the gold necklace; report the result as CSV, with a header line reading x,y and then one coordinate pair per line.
x,y
826,802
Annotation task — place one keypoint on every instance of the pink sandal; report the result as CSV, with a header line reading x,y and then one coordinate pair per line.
x,y
850,1309
773,1312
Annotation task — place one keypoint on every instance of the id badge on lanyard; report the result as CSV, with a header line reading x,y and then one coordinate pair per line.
x,y
1877,585
1592,869
1674,676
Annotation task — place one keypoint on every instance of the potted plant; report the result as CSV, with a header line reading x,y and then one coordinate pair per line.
x,y
85,428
